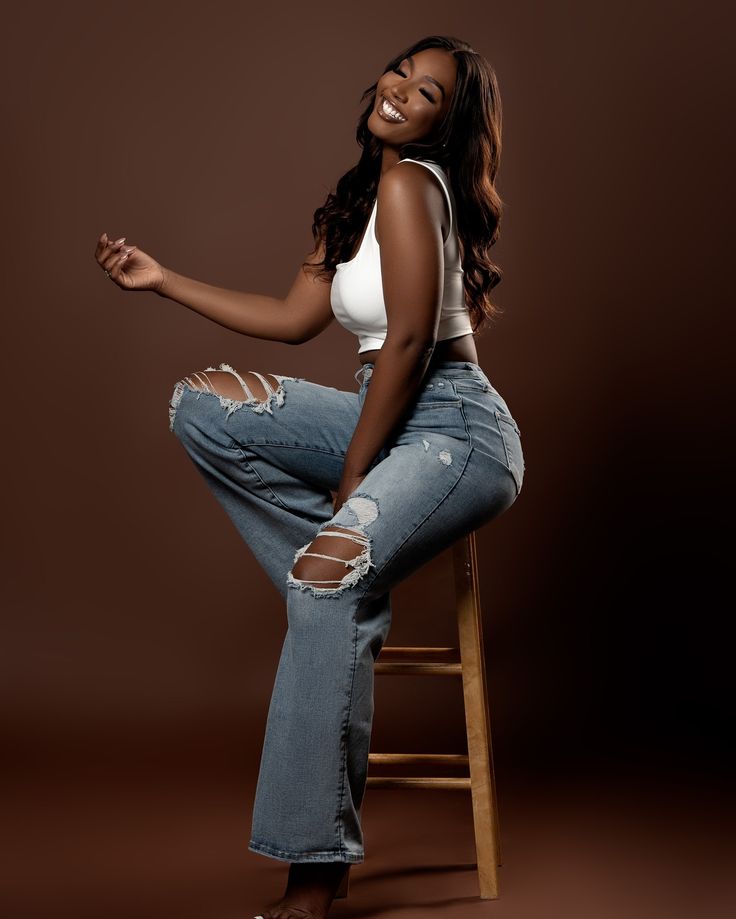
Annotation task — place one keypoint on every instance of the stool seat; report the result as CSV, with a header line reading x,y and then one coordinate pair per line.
x,y
468,663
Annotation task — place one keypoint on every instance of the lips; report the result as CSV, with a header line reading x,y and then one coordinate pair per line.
x,y
394,106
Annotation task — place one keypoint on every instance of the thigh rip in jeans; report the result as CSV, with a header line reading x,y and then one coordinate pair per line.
x,y
273,389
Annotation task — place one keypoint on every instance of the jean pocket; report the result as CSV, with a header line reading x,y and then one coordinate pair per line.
x,y
511,437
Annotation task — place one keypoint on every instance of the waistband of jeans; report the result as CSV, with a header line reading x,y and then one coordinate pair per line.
x,y
447,369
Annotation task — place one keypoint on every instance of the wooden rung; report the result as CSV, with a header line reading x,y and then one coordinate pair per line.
x,y
429,654
411,759
406,668
454,783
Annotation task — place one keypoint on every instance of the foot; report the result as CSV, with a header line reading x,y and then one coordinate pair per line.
x,y
310,891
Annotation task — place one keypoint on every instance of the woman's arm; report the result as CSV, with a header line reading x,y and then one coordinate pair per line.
x,y
303,314
410,212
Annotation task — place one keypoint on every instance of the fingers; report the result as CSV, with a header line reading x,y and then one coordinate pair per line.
x,y
117,262
105,248
112,255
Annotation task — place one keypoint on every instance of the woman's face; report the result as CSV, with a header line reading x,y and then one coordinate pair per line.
x,y
418,92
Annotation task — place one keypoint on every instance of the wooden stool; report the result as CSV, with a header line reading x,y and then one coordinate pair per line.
x,y
467,662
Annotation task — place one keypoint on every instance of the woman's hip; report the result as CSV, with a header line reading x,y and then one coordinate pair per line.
x,y
457,408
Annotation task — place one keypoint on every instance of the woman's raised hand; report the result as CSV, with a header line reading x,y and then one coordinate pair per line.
x,y
129,267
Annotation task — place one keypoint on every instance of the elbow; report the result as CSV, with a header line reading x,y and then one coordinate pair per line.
x,y
299,337
295,334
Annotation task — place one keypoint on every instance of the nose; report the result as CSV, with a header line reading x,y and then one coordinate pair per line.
x,y
394,95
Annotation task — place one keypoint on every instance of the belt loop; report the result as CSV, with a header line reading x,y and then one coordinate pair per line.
x,y
366,369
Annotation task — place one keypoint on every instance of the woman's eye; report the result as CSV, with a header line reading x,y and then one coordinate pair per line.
x,y
425,93
399,71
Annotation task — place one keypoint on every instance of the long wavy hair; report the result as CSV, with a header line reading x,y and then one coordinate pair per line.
x,y
467,146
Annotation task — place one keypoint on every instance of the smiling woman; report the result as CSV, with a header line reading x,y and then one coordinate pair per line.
x,y
424,452
437,104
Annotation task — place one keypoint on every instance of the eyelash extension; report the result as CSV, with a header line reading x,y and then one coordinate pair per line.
x,y
423,91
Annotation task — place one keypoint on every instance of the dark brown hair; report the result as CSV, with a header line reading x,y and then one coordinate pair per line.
x,y
467,146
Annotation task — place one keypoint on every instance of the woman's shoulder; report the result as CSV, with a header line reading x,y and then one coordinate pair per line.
x,y
401,185
413,174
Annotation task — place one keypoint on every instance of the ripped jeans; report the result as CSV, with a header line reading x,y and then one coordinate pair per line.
x,y
272,463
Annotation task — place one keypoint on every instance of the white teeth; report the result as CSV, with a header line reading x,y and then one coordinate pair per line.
x,y
389,110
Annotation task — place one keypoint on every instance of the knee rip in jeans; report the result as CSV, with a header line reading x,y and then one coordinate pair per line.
x,y
258,395
309,575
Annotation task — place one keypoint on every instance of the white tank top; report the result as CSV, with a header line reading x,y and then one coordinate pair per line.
x,y
356,295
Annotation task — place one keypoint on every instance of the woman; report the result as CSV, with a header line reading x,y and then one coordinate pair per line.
x,y
425,452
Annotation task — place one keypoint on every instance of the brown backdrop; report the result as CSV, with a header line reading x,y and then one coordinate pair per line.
x,y
140,637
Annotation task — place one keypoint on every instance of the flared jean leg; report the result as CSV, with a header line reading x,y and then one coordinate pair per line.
x,y
314,761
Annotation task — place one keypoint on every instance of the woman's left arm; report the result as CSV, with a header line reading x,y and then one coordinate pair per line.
x,y
410,212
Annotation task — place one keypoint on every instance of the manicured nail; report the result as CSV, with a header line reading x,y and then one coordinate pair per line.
x,y
119,242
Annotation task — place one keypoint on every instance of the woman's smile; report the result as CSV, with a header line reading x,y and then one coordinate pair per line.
x,y
389,112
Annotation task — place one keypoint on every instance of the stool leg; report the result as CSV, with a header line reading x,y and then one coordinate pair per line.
x,y
475,693
342,890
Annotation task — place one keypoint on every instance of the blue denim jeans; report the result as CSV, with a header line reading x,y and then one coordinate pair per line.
x,y
455,464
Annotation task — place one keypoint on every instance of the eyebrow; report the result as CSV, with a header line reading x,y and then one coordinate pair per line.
x,y
431,79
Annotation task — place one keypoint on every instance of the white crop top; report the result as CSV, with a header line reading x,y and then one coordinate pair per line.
x,y
356,295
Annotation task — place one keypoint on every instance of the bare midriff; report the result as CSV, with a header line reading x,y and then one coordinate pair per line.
x,y
461,348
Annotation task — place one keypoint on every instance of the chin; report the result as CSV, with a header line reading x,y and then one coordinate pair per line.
x,y
376,127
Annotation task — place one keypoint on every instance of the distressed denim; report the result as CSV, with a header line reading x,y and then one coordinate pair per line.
x,y
455,464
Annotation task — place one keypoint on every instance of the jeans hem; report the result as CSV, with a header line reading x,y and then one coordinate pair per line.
x,y
324,855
